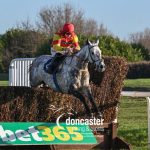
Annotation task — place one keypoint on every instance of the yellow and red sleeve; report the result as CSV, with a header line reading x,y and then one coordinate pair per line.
x,y
57,43
75,42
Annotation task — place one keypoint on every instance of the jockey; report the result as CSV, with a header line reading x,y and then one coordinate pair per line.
x,y
64,42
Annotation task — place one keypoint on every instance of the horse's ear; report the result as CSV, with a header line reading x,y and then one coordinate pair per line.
x,y
88,42
97,42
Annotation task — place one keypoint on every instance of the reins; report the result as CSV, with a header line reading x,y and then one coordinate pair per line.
x,y
83,60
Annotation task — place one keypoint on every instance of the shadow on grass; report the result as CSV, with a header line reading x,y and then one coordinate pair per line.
x,y
136,137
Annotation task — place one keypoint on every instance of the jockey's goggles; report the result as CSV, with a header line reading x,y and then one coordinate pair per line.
x,y
67,33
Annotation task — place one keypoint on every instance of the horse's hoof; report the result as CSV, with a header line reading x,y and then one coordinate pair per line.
x,y
99,115
75,112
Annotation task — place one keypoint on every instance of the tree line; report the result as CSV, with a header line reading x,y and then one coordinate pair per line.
x,y
27,40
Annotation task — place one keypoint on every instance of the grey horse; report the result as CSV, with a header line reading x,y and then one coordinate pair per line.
x,y
72,75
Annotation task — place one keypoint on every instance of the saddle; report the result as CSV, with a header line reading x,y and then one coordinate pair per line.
x,y
52,65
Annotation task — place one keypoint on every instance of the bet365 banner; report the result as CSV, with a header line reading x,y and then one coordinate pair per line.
x,y
34,133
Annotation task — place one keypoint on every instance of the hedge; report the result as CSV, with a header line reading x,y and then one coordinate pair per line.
x,y
33,104
139,70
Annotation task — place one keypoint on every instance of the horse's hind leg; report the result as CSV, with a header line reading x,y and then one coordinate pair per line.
x,y
34,82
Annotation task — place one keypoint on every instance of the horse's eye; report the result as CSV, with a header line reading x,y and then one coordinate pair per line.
x,y
92,53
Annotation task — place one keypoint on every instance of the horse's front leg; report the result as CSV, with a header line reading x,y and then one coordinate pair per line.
x,y
73,91
88,93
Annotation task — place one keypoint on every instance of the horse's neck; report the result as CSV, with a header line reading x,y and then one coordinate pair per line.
x,y
81,61
82,54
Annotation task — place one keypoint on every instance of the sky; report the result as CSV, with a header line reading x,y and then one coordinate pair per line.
x,y
121,17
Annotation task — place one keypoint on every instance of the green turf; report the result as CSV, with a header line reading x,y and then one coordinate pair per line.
x,y
3,83
132,118
137,83
3,79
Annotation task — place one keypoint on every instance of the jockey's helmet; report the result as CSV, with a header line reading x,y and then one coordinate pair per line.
x,y
68,27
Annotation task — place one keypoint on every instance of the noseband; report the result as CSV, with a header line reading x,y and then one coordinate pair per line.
x,y
89,48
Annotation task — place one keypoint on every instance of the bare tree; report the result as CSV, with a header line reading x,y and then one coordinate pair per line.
x,y
90,27
142,38
102,30
26,25
46,23
52,19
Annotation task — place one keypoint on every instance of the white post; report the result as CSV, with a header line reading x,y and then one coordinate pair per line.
x,y
148,110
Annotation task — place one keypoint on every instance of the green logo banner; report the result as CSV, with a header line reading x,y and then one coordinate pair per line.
x,y
41,133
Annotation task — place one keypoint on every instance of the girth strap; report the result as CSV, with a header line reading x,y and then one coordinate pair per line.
x,y
56,83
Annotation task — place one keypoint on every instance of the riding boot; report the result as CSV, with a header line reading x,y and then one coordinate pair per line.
x,y
50,66
56,60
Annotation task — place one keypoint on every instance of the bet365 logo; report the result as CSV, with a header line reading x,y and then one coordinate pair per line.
x,y
44,133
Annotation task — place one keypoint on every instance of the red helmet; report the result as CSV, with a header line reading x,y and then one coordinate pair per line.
x,y
68,27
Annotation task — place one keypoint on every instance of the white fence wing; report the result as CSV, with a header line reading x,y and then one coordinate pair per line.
x,y
19,72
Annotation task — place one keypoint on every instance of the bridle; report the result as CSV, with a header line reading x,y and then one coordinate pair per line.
x,y
89,48
89,54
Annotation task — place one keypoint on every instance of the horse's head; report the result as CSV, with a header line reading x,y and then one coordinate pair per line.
x,y
94,55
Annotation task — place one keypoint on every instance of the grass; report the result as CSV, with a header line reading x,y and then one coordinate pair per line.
x,y
132,118
3,79
137,83
3,83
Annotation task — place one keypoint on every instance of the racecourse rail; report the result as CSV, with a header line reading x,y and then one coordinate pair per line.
x,y
147,96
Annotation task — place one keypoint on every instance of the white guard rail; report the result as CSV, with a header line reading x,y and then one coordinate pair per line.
x,y
19,71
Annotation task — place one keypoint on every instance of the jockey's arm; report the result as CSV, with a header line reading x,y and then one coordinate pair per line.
x,y
76,46
56,43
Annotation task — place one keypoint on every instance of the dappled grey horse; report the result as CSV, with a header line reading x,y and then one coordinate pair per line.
x,y
72,75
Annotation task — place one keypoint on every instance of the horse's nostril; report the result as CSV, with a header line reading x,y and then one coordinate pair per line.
x,y
101,66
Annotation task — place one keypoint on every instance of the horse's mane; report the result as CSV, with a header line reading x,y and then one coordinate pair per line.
x,y
73,54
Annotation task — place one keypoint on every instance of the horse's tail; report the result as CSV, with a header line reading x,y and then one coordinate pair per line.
x,y
30,68
29,71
